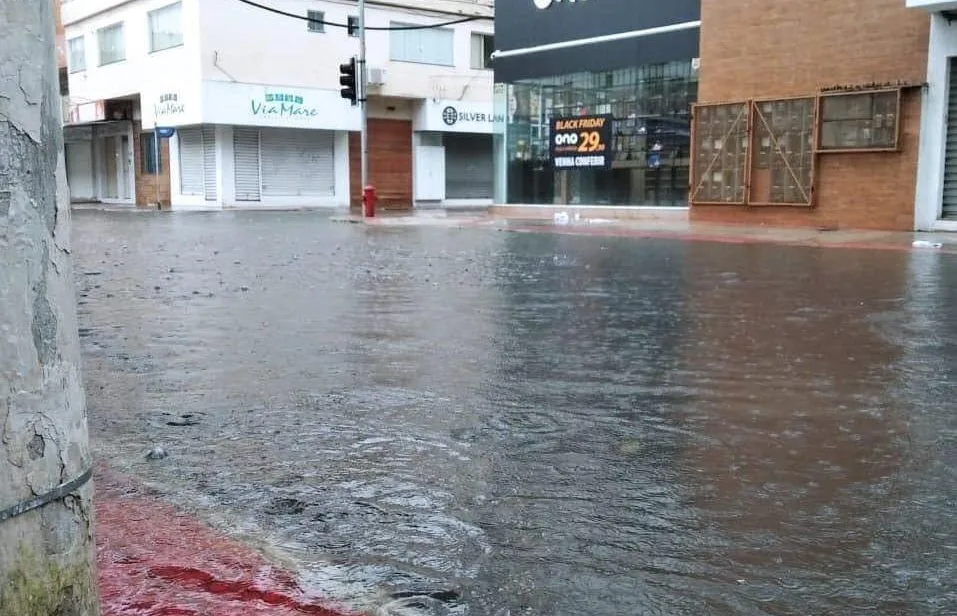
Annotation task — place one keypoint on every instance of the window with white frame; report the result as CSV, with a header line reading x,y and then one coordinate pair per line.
x,y
166,27
111,43
423,45
482,47
76,54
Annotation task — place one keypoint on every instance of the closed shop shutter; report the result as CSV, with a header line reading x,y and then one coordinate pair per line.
x,y
190,161
950,160
209,162
297,163
469,170
246,163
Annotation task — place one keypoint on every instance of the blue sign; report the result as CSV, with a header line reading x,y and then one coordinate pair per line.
x,y
165,132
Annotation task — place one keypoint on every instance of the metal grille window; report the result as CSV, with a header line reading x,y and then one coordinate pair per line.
x,y
166,27
426,46
112,44
782,154
77,54
315,21
720,153
860,121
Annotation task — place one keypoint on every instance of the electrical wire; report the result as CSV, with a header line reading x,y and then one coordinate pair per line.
x,y
348,27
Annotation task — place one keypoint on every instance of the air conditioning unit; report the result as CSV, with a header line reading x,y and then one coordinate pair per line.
x,y
376,76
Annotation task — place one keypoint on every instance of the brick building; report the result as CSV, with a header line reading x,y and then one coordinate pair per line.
x,y
809,113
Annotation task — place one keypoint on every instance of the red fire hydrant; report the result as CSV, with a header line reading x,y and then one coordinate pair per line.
x,y
368,201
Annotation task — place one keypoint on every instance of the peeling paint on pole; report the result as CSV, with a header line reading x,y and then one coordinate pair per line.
x,y
46,554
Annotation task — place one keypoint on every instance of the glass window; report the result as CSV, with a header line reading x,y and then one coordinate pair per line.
x,y
353,26
651,137
76,54
112,44
424,46
151,164
166,27
482,47
316,21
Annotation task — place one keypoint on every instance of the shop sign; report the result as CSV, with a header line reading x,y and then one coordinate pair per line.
x,y
581,142
452,116
168,106
282,105
83,113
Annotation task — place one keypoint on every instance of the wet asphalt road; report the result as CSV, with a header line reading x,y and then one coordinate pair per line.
x,y
536,423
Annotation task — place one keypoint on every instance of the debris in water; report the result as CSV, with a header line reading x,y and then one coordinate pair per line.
x,y
157,453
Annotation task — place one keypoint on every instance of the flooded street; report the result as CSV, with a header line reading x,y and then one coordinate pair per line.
x,y
485,423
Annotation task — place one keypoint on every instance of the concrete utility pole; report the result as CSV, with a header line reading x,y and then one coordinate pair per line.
x,y
46,533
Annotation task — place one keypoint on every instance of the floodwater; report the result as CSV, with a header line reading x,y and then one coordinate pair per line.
x,y
491,423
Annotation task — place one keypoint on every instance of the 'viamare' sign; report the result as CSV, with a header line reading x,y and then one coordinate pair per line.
x,y
282,106
168,106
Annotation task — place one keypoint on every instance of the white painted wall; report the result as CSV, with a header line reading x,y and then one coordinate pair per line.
x,y
141,69
291,55
933,130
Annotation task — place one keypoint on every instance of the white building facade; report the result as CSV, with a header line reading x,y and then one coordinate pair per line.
x,y
936,206
207,104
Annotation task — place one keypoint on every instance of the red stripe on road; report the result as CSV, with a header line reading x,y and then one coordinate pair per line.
x,y
156,561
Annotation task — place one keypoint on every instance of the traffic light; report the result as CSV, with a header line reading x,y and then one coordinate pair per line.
x,y
347,79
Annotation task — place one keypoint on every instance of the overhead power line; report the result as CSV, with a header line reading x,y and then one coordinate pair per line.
x,y
276,11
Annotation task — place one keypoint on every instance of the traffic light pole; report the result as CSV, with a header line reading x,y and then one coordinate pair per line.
x,y
363,87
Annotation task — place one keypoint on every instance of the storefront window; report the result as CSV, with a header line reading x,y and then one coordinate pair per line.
x,y
651,106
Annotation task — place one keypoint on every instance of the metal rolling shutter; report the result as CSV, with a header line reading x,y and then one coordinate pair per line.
x,y
469,167
190,161
950,159
246,163
209,162
297,163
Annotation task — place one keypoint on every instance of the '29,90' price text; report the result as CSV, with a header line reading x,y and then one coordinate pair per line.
x,y
581,141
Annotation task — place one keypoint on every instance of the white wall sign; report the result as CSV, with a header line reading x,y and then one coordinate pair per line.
x,y
170,105
83,113
456,117
278,106
168,109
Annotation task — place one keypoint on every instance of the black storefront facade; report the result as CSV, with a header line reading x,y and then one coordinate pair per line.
x,y
612,80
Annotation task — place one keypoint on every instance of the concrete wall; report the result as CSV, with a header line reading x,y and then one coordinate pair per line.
x,y
781,48
933,133
291,55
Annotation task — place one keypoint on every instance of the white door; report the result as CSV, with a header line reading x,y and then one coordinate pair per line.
x,y
297,163
79,170
429,173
